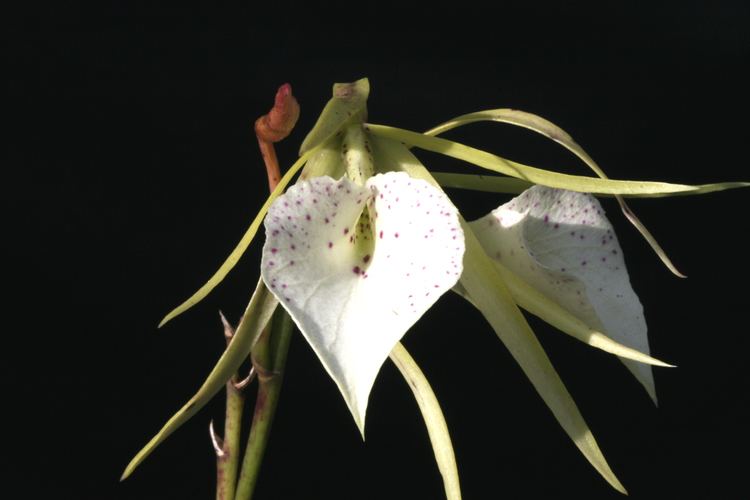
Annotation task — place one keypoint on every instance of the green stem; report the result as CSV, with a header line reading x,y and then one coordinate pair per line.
x,y
227,453
269,358
227,462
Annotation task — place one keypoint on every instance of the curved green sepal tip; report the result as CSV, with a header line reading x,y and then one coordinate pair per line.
x,y
239,250
348,104
551,131
434,420
256,317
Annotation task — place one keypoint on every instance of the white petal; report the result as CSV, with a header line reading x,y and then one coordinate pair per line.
x,y
562,244
357,266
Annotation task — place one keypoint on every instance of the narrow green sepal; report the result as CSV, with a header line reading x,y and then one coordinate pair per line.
x,y
486,183
434,419
239,250
257,315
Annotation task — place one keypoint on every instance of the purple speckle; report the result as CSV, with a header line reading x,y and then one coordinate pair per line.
x,y
274,250
366,259
330,244
356,270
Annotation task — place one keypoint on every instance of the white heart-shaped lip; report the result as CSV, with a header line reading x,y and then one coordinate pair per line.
x,y
561,243
356,267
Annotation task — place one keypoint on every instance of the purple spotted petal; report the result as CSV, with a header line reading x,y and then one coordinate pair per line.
x,y
562,244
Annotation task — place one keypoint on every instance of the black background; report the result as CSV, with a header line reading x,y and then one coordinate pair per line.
x,y
132,171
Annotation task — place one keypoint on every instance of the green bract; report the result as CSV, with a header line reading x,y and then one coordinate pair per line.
x,y
366,241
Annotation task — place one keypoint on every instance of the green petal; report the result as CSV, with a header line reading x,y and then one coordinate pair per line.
x,y
488,292
327,160
348,105
433,419
552,131
539,176
234,257
257,315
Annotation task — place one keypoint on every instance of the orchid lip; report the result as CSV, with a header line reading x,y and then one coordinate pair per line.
x,y
357,266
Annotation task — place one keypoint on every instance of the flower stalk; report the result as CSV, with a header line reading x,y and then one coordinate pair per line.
x,y
269,354
228,449
269,358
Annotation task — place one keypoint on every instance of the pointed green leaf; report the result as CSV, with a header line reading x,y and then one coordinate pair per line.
x,y
348,105
536,175
258,313
555,133
437,428
239,250
490,295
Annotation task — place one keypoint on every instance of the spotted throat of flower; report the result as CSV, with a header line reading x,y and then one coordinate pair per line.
x,y
356,261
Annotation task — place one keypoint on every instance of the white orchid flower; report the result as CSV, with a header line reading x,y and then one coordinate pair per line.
x,y
357,265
